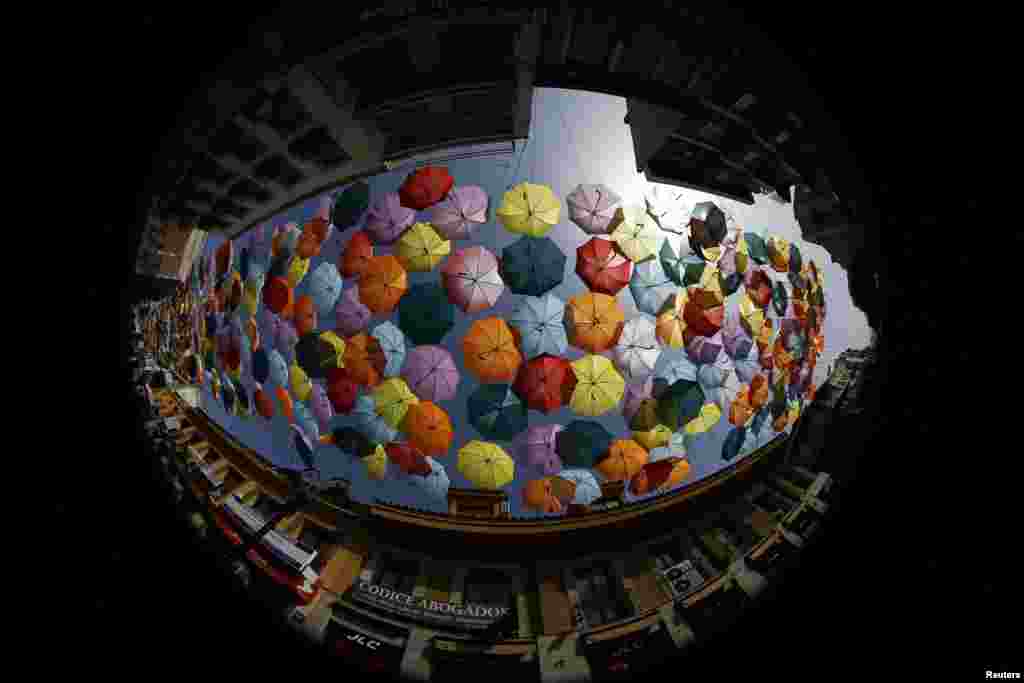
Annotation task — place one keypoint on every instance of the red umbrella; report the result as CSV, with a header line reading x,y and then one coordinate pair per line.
x,y
545,383
603,266
408,458
357,255
758,286
425,187
704,322
277,295
342,390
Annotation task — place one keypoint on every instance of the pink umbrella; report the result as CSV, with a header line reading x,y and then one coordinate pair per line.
x,y
320,405
705,350
387,219
535,449
351,315
635,393
472,280
431,373
457,216
592,207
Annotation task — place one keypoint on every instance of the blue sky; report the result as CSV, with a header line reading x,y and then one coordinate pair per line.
x,y
576,137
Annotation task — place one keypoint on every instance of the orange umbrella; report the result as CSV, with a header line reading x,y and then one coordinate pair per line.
x,y
594,321
660,475
428,428
364,359
670,327
625,459
308,246
286,403
758,394
537,495
277,295
780,422
764,337
740,410
357,255
783,358
318,227
383,283
264,404
305,315
489,349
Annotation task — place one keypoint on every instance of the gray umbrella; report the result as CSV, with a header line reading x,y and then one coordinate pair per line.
x,y
651,286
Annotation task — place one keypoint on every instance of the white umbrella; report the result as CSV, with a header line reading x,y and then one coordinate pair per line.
x,y
638,350
435,484
587,488
668,208
539,321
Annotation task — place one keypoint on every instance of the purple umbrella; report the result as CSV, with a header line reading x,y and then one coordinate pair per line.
x,y
472,280
270,328
592,207
387,219
705,350
287,338
431,373
535,449
460,212
737,343
635,393
320,405
351,315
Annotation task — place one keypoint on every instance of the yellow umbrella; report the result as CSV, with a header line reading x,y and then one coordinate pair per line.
x,y
529,209
392,398
599,386
671,325
711,254
420,248
594,321
793,413
377,463
637,234
653,438
778,253
486,465
337,359
751,317
297,271
299,382
235,373
709,416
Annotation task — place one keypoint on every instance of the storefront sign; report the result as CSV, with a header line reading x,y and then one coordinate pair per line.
x,y
370,653
626,657
471,615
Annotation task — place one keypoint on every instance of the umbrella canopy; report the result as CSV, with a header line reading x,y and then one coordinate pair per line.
x,y
317,352
651,287
278,368
421,249
671,324
324,286
532,266
472,280
425,314
675,256
435,485
264,404
599,386
496,412
287,407
349,440
306,315
624,460
778,253
667,206
707,225
277,295
260,366
645,416
351,315
740,410
593,321
431,373
540,324
637,234
585,489
425,187
529,209
638,350
602,266
703,350
680,404
486,465
538,494
707,418
392,398
780,299
757,249
349,204
387,219
737,343
377,463
364,360
545,383
428,428
298,382
457,216
383,284
489,351
634,395
342,390
752,318
582,443
297,270
660,476
392,343
653,438
536,450
356,257
369,423
592,207
758,287
303,446
305,420
408,458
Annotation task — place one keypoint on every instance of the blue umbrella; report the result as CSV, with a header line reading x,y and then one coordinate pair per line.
x,y
539,321
532,265
587,488
369,423
733,443
304,418
435,484
650,286
679,368
324,286
278,369
759,420
497,412
392,343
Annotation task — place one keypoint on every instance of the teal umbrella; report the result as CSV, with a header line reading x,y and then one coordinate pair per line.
x,y
392,343
349,205
324,286
780,299
680,368
796,262
369,423
587,488
539,321
497,412
425,314
583,443
730,283
680,403
532,265
759,420
733,443
651,286
756,248
673,257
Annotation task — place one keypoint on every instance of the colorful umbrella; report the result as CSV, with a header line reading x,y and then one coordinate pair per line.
x,y
489,351
707,225
364,360
297,270
680,404
356,257
593,321
592,207
278,368
392,343
377,463
624,460
425,314
582,443
707,418
602,266
675,256
496,412
634,395
342,390
472,280
638,350
778,253
428,428
305,315
703,350
535,449
392,398
660,476
324,286
667,206
651,287
349,440
387,219
671,323
538,495
540,324
780,299
317,352
307,246
758,287
457,216
298,382
736,341
532,266
287,407
545,383
349,204
351,315
645,417
425,187
740,410
435,485
756,248
653,438
370,424
752,318
431,373
264,404
637,234
585,487
529,209
277,295
383,284
319,226
486,465
420,248
408,458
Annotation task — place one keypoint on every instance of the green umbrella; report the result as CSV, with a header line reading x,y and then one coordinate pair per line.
x,y
795,260
646,416
583,443
756,248
693,270
680,403
497,412
780,299
349,205
731,283
425,314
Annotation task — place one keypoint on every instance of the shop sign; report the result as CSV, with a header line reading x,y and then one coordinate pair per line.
x,y
473,615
